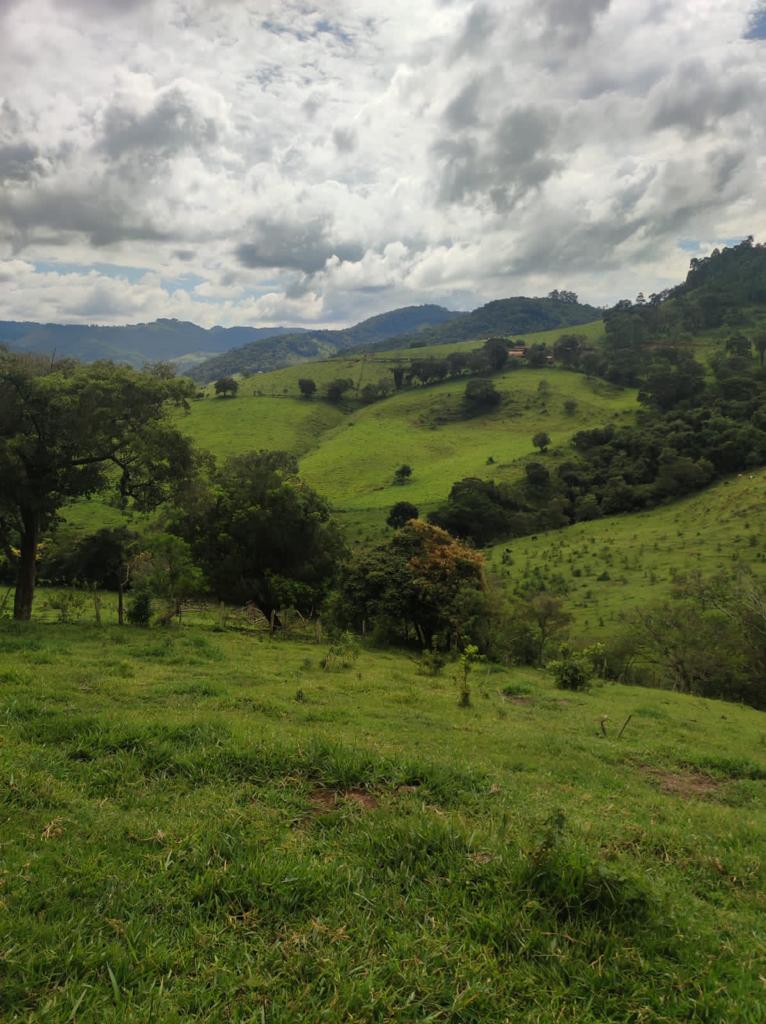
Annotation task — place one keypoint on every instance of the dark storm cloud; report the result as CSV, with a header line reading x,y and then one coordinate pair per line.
x,y
173,123
478,26
462,111
18,161
511,162
697,97
101,219
301,245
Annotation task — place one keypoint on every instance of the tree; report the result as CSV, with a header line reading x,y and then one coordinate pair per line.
x,y
739,346
760,346
165,569
374,392
541,440
401,513
537,355
570,406
547,618
480,396
260,534
102,559
673,377
476,510
69,431
567,349
402,474
337,388
495,352
537,475
226,387
422,581
307,387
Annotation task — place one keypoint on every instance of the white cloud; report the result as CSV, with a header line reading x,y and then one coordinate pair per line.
x,y
323,163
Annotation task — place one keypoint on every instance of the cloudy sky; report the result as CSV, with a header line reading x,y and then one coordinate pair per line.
x,y
260,162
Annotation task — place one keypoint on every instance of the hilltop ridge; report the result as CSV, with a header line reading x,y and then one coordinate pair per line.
x,y
426,327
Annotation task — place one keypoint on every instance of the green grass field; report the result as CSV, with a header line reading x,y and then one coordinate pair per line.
x,y
230,426
717,529
351,457
207,826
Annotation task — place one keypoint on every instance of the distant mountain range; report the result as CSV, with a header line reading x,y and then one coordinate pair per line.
x,y
136,344
207,354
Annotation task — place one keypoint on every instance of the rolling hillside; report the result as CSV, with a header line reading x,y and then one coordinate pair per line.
x,y
258,356
504,316
351,456
607,568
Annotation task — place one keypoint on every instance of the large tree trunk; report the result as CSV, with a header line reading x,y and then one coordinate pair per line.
x,y
27,571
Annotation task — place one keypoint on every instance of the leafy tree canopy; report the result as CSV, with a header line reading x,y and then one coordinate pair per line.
x,y
68,431
226,387
401,513
260,534
423,582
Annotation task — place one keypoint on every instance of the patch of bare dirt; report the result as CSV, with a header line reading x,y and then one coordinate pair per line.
x,y
323,800
519,699
361,798
407,788
683,783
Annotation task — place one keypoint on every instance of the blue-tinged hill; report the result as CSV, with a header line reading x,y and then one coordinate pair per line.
x,y
136,344
261,356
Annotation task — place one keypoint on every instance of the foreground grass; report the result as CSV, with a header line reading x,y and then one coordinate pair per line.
x,y
204,826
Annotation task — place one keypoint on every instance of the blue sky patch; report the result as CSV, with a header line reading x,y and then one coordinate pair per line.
x,y
756,28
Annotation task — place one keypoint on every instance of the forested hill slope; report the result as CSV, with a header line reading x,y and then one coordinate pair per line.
x,y
428,325
517,315
284,351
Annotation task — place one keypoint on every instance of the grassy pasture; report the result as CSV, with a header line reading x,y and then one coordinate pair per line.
x,y
203,826
227,426
714,530
370,367
351,457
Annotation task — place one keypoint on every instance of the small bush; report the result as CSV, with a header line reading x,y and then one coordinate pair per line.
x,y
343,652
431,662
69,604
571,672
140,609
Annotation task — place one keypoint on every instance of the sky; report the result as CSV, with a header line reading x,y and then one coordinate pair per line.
x,y
263,163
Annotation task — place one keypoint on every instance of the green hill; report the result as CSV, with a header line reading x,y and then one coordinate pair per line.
x,y
609,567
350,457
402,329
505,317
259,356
